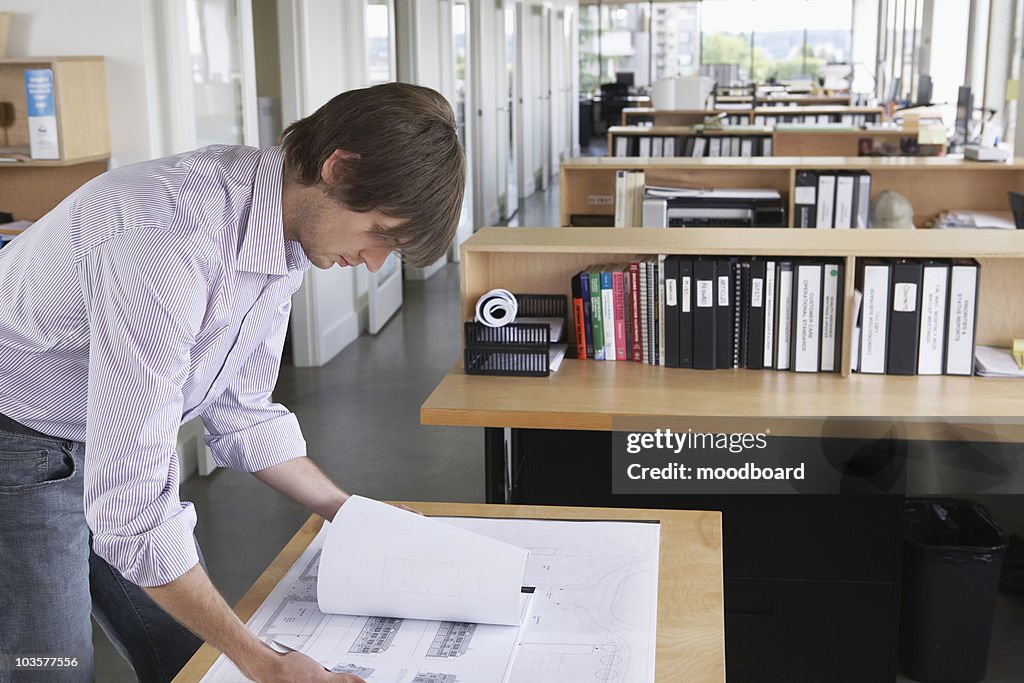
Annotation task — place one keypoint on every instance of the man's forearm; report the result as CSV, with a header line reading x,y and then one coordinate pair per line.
x,y
193,601
302,481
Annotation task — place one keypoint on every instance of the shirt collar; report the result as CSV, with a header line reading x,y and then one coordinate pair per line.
x,y
264,248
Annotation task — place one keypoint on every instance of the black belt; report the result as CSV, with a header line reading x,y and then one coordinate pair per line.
x,y
9,425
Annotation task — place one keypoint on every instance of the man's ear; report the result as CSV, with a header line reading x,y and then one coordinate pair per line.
x,y
333,165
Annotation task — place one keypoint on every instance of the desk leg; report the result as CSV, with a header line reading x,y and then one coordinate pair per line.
x,y
495,465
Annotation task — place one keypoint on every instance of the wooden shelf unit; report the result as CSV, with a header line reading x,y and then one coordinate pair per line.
x,y
80,101
29,188
588,393
689,117
931,184
809,141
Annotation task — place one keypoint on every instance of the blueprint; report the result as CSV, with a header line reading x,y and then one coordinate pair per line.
x,y
593,614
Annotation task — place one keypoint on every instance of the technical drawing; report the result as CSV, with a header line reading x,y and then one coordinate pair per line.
x,y
376,636
427,677
452,639
361,671
298,618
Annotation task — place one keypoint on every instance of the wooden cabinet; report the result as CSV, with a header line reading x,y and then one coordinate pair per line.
x,y
31,187
932,185
587,394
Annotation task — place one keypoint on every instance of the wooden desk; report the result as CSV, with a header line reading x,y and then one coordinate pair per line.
x,y
691,626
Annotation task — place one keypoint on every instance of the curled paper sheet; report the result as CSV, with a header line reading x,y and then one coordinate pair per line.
x,y
382,561
497,308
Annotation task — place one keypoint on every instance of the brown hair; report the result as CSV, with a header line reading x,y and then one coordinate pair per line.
x,y
409,164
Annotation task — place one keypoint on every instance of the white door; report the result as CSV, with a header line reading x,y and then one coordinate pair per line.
x,y
385,293
463,105
209,73
508,113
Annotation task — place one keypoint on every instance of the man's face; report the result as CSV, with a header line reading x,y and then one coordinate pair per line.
x,y
331,233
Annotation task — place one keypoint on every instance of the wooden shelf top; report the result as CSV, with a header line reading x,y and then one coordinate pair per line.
x,y
783,163
50,60
590,395
689,130
920,243
10,162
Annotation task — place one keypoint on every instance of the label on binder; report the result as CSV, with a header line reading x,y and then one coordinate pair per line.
x,y
756,292
723,290
685,286
904,297
42,114
705,293
670,292
805,194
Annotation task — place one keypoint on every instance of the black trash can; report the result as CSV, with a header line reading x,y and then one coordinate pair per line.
x,y
952,552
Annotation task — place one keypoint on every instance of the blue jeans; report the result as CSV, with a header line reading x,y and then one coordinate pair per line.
x,y
51,581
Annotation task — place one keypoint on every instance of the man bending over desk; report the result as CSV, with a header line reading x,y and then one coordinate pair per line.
x,y
159,292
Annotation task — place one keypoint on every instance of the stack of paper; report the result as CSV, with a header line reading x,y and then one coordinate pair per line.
x,y
994,362
1002,220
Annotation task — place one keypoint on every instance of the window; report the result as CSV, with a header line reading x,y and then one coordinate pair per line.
x,y
776,40
215,49
380,54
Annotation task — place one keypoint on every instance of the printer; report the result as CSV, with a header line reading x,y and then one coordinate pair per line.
x,y
666,207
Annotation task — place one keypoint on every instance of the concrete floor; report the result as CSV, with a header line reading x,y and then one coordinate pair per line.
x,y
360,417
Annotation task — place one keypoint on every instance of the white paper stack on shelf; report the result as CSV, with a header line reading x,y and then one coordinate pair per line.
x,y
1001,220
990,361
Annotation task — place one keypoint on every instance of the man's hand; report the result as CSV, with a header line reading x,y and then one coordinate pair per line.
x,y
295,666
192,600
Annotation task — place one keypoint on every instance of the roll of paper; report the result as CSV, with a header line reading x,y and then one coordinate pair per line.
x,y
497,308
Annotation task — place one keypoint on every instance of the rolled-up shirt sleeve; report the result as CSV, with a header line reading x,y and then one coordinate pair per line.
x,y
248,431
144,310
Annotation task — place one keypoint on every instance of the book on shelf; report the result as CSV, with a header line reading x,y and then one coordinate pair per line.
x,y
844,201
832,295
768,357
608,311
620,292
579,318
685,312
704,328
757,274
636,338
826,196
874,282
596,311
932,337
784,315
805,199
964,281
862,200
724,283
671,278
806,335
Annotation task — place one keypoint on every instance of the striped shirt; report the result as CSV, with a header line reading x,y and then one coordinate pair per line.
x,y
155,293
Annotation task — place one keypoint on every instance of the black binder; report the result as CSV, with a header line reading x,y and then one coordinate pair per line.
x,y
756,314
686,289
704,327
671,311
904,318
805,204
724,323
